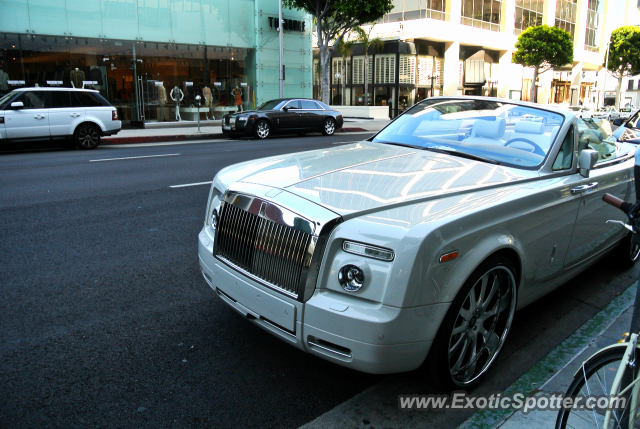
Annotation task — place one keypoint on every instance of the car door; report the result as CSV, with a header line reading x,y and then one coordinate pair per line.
x,y
290,119
29,121
65,113
592,234
312,114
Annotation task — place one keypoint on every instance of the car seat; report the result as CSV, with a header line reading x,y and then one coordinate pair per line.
x,y
487,132
532,131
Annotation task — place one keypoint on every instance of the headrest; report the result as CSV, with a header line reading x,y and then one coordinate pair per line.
x,y
491,129
529,127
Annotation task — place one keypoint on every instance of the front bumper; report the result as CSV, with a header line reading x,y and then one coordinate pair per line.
x,y
239,128
354,333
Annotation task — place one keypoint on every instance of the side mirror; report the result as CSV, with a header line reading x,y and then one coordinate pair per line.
x,y
17,105
587,159
285,109
618,122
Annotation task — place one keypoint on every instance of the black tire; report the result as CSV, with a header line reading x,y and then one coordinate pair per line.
x,y
627,253
87,136
595,377
329,127
262,129
461,355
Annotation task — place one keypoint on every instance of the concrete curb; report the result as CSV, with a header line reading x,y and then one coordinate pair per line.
x,y
187,137
546,369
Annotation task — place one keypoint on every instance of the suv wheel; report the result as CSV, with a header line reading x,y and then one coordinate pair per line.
x,y
87,137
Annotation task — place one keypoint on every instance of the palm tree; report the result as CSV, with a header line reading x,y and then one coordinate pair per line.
x,y
344,48
364,37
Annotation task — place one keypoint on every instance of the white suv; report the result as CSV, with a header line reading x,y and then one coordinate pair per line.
x,y
57,113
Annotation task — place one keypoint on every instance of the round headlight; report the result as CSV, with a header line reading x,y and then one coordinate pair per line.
x,y
351,278
214,219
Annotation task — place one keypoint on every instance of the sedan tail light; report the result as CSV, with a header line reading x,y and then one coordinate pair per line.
x,y
114,115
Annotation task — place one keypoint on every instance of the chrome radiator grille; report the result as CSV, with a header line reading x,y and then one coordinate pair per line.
x,y
270,251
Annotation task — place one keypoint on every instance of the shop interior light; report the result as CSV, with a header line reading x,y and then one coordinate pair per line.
x,y
368,251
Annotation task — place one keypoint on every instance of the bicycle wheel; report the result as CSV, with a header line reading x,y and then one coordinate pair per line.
x,y
596,378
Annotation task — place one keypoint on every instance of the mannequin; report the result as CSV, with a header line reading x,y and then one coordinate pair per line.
x,y
77,78
177,95
237,94
206,93
162,98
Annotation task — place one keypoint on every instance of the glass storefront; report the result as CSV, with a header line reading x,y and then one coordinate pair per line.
x,y
141,79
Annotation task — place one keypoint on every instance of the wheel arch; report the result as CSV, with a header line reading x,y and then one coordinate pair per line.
x,y
92,123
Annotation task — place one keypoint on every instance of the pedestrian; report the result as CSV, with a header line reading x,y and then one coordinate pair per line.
x,y
390,103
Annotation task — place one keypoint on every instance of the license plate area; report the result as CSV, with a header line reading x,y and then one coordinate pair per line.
x,y
252,302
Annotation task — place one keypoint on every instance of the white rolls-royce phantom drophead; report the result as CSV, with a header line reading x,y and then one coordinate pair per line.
x,y
414,249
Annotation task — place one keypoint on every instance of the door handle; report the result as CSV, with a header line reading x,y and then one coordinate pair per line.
x,y
582,188
75,115
39,116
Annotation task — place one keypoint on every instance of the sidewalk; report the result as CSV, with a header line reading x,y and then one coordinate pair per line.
x,y
211,129
554,373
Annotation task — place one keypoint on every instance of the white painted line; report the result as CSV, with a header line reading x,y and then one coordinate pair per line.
x,y
191,184
133,157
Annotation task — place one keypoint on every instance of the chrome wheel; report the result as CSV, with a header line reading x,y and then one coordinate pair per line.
x,y
87,137
481,325
329,127
262,130
634,251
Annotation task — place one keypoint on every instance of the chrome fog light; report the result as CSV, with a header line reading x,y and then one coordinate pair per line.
x,y
214,219
351,278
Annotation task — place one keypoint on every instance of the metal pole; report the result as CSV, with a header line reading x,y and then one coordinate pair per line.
x,y
280,50
606,71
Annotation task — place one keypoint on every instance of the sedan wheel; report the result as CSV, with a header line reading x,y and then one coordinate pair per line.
x,y
262,130
475,328
329,127
87,137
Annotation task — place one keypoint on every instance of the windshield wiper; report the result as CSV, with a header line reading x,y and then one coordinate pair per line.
x,y
462,155
400,144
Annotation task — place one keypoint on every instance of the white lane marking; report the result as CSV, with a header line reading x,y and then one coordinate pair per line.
x,y
182,142
133,157
191,184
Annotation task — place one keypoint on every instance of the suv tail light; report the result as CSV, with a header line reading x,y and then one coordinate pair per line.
x,y
114,115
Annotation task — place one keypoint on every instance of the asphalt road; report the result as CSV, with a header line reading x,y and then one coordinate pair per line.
x,y
105,320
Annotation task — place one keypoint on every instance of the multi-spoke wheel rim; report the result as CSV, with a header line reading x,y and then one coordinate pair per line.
x,y
634,251
329,126
481,325
88,137
263,130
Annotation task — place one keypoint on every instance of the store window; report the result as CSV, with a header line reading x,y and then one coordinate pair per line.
x,y
385,69
337,68
528,14
138,78
484,14
592,30
566,13
407,69
358,70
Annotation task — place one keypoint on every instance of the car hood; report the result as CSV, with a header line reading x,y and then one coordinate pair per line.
x,y
366,177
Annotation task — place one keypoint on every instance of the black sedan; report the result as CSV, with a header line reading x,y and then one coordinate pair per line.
x,y
284,115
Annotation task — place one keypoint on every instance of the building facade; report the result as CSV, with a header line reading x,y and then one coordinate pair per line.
x,y
143,54
457,47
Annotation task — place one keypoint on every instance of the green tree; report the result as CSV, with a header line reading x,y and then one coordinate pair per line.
x,y
377,44
624,55
543,48
333,19
344,48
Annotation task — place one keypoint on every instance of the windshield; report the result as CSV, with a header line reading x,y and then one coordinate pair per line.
x,y
5,98
269,105
502,133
